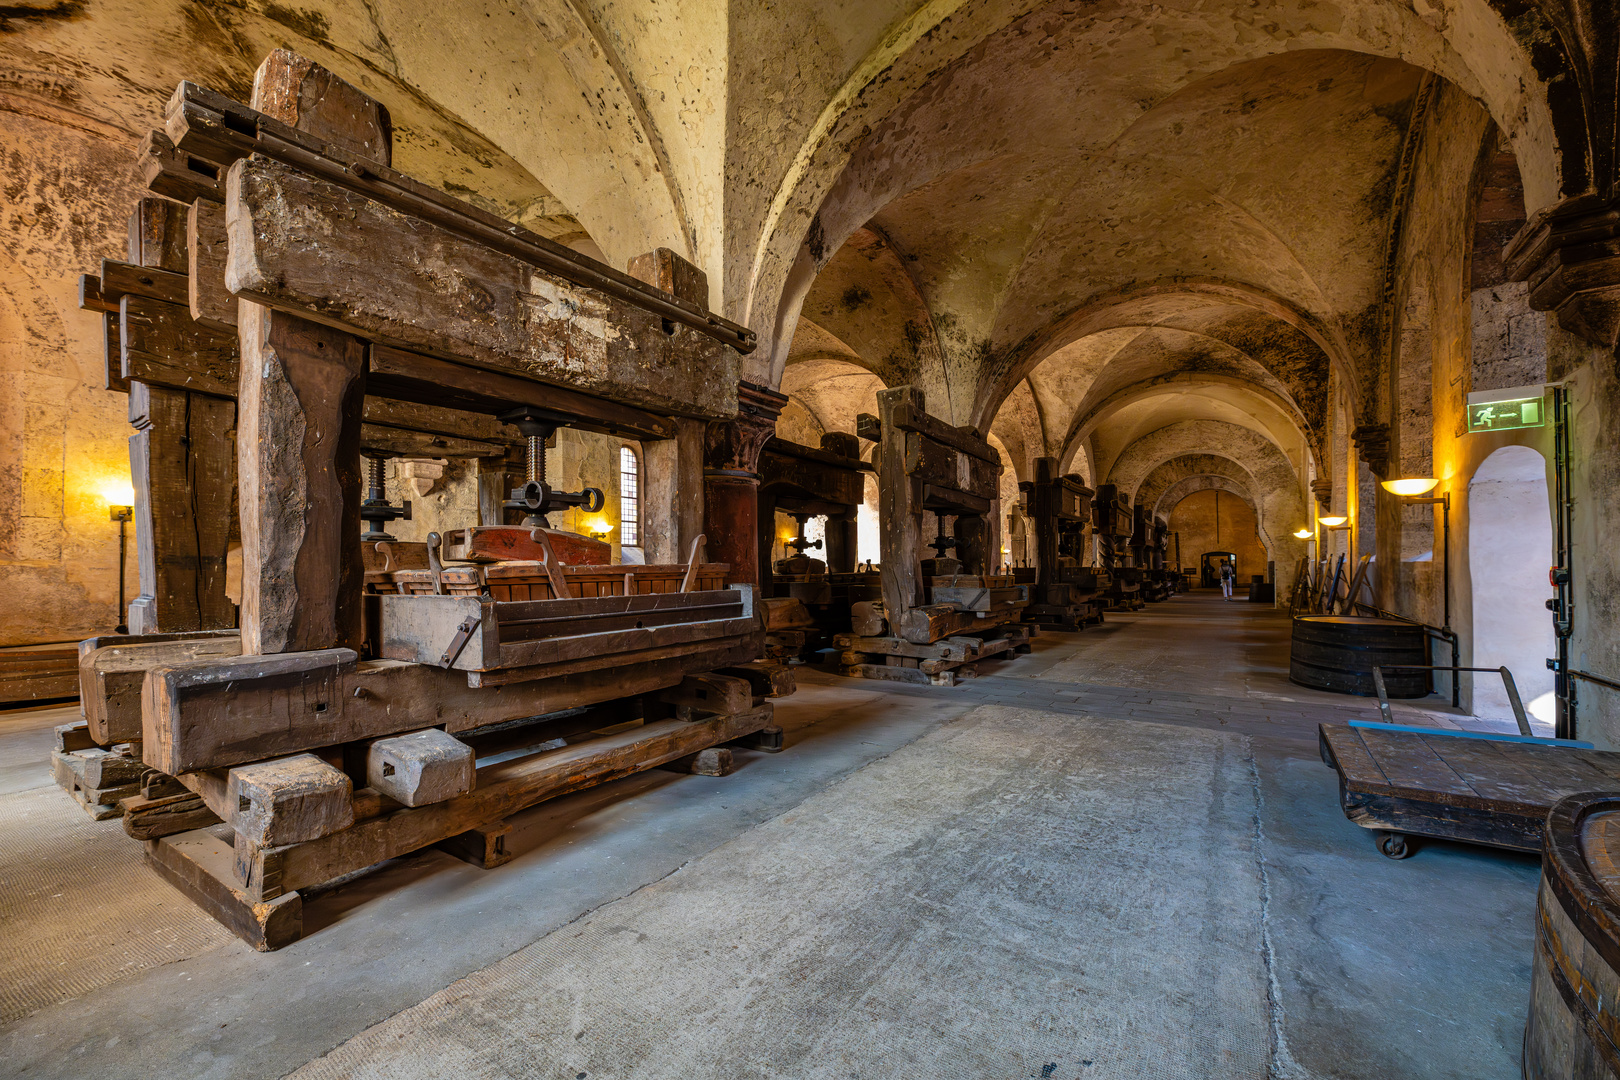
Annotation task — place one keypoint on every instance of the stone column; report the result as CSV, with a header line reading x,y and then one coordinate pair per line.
x,y
731,450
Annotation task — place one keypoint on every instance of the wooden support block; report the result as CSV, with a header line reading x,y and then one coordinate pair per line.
x,y
202,866
74,736
484,847
502,789
147,819
111,674
769,680
157,235
866,618
667,270
289,801
303,95
420,768
715,761
711,693
105,769
767,740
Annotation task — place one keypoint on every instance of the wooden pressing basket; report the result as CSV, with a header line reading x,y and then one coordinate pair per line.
x,y
528,581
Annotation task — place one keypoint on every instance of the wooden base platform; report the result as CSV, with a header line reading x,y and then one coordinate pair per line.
x,y
941,663
1493,790
255,891
1070,618
39,673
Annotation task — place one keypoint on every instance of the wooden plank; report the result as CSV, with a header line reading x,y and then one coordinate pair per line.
x,y
112,353
182,462
202,866
501,789
149,819
1410,763
1354,762
495,311
702,655
209,714
609,645
207,246
428,380
162,345
157,235
120,279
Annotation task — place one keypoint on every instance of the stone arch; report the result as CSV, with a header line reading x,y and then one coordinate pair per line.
x,y
855,158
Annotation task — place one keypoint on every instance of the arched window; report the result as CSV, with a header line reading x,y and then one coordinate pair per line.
x,y
629,498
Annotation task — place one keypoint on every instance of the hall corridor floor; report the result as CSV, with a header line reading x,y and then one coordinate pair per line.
x,y
1118,856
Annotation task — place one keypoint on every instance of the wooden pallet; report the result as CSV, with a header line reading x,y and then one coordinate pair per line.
x,y
39,673
1493,790
941,663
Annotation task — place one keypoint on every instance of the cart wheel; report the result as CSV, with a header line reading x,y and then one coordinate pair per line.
x,y
1394,845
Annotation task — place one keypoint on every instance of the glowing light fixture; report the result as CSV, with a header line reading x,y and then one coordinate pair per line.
x,y
1333,521
118,492
1302,534
1416,485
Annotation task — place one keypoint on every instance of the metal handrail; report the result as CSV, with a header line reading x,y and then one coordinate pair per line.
x,y
1599,679
1507,680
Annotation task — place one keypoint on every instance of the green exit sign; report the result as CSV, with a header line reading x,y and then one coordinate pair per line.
x,y
1506,410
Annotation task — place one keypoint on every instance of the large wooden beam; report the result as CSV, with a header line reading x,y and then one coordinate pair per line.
x,y
672,490
492,310
427,380
209,714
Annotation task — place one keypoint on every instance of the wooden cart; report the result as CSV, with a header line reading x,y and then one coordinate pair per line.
x,y
1494,790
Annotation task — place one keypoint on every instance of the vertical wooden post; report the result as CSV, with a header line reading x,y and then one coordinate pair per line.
x,y
1044,512
973,542
182,466
899,507
841,528
300,403
672,493
673,488
731,481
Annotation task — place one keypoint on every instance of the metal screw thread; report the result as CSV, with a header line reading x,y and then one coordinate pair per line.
x,y
537,457
374,478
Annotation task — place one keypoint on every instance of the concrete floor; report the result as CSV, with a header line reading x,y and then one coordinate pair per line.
x,y
1356,966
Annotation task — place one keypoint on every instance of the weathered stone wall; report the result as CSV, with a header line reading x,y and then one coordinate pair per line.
x,y
65,195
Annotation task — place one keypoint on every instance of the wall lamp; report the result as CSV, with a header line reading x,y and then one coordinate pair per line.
x,y
1303,534
120,496
1411,491
1335,522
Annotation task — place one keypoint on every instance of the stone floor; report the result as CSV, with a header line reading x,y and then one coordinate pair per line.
x,y
1117,856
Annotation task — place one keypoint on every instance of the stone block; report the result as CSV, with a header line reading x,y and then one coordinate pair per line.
x,y
421,768
289,800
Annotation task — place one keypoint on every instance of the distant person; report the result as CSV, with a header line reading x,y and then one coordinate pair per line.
x,y
1227,577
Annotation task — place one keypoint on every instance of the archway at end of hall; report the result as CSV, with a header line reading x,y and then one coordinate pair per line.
x,y
1510,546
1219,520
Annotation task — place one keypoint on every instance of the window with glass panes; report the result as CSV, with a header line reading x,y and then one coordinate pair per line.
x,y
629,497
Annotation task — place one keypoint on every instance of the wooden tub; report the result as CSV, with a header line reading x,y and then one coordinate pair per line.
x,y
1574,1026
528,580
1337,653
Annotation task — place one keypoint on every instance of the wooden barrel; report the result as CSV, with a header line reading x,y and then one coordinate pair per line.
x,y
1574,1025
1338,652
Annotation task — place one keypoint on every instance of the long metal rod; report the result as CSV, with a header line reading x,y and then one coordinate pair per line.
x,y
224,121
1563,576
1507,680
123,554
1587,676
